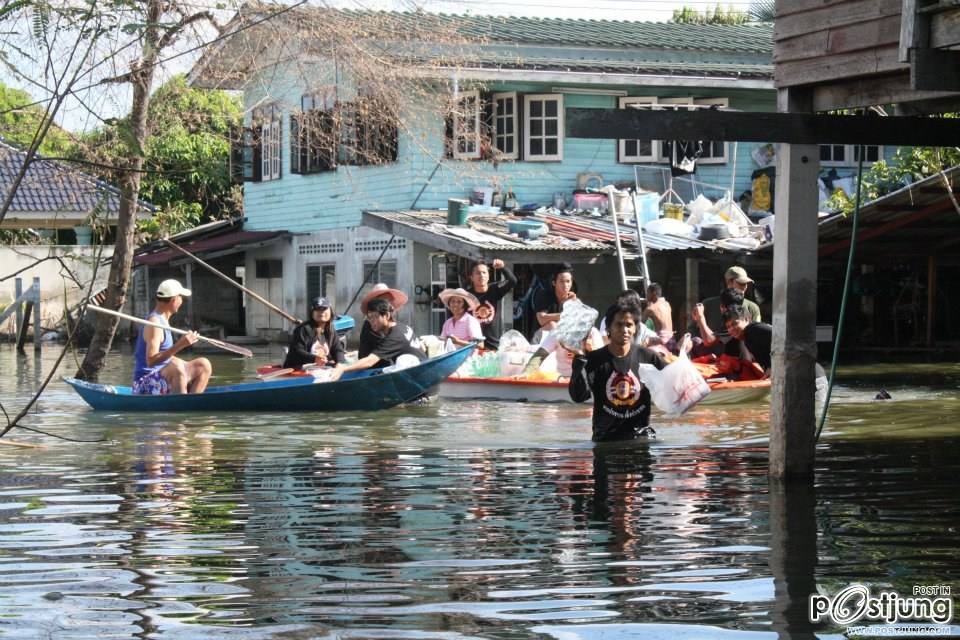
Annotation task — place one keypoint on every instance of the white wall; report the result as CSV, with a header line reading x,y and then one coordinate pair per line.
x,y
54,280
347,249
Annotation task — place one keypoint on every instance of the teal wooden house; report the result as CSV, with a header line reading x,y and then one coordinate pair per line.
x,y
382,111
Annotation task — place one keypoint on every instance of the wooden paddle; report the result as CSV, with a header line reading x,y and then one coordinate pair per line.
x,y
233,282
275,374
243,351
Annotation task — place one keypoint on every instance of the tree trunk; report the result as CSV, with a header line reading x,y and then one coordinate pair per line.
x,y
121,265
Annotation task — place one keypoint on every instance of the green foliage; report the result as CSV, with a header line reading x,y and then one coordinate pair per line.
x,y
18,124
728,16
186,155
908,165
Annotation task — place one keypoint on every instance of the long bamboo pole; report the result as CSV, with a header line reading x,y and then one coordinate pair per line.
x,y
243,351
227,278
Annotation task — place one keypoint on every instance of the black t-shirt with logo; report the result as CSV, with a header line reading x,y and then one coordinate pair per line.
x,y
494,293
398,340
621,403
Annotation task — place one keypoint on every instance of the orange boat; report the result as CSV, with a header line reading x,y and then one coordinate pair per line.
x,y
511,389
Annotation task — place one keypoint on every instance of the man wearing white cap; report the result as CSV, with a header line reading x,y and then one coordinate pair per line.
x,y
157,370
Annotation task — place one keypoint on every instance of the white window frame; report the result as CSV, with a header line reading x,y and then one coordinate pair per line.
x,y
460,120
543,97
653,103
706,103
637,102
849,156
271,134
513,117
329,295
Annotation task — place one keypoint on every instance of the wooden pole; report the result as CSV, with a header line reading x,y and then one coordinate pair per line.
x,y
17,292
233,282
37,329
22,329
243,351
794,348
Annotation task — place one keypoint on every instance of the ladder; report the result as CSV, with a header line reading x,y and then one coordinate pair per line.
x,y
640,259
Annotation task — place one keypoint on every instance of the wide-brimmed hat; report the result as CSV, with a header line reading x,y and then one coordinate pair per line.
x,y
469,298
380,290
739,274
171,288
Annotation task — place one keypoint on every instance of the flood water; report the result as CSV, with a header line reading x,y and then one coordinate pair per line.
x,y
464,519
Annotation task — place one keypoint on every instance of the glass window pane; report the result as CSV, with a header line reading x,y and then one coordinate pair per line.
x,y
551,146
551,108
536,127
507,146
536,108
550,127
630,148
824,153
509,126
536,147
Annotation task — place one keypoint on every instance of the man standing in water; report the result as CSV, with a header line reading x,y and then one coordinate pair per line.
x,y
157,370
488,295
621,403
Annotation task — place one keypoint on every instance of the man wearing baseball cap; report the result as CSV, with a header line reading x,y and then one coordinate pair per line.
x,y
157,370
710,312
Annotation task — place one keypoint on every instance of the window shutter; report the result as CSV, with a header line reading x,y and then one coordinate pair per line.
x,y
328,135
245,154
298,156
448,136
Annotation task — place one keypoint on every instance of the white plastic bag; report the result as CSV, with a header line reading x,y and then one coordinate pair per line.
x,y
513,340
576,320
676,387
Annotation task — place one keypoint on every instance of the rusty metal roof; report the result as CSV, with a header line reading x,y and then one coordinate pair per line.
x,y
921,219
572,238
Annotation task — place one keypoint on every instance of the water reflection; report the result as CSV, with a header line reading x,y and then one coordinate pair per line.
x,y
459,520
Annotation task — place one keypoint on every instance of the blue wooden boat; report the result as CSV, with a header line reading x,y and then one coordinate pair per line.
x,y
367,390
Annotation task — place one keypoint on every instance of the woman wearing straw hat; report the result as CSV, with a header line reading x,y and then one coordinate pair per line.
x,y
462,328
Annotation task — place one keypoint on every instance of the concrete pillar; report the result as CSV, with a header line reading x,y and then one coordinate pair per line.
x,y
794,349
17,292
793,557
692,289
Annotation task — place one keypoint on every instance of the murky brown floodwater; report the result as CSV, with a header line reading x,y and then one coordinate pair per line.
x,y
464,519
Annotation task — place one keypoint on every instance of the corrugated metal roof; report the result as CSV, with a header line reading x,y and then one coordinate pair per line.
x,y
229,239
920,216
569,234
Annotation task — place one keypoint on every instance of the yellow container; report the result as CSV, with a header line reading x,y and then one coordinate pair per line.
x,y
673,210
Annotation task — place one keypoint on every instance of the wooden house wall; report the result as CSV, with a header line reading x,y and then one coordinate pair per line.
x,y
819,41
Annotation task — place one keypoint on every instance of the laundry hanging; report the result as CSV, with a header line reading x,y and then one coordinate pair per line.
x,y
683,156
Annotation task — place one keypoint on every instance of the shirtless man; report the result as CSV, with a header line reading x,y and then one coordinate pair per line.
x,y
659,310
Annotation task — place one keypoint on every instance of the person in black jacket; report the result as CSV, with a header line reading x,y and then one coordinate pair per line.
x,y
489,295
315,341
621,403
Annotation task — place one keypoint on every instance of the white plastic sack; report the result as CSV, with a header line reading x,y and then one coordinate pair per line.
x,y
670,226
676,387
576,320
513,340
698,208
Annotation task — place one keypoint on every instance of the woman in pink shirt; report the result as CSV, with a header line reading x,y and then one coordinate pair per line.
x,y
462,328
